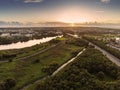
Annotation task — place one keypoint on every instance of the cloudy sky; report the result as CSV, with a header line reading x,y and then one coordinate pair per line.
x,y
60,10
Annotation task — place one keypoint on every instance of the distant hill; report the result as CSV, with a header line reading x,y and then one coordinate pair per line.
x,y
4,24
58,24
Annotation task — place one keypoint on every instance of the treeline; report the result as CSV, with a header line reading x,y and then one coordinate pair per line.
x,y
15,39
7,56
44,35
69,40
78,42
113,51
9,40
10,54
91,71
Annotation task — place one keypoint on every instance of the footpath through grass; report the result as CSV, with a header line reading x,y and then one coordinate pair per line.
x,y
33,68
7,55
90,71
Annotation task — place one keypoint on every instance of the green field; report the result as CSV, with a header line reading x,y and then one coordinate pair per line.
x,y
18,53
90,71
28,70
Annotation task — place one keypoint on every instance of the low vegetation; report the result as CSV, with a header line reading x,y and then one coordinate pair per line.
x,y
31,69
19,53
101,44
90,71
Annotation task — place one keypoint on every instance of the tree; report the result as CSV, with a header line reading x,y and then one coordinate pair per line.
x,y
101,75
36,61
9,83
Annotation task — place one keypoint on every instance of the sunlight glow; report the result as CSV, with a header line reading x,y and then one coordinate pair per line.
x,y
72,20
73,16
72,24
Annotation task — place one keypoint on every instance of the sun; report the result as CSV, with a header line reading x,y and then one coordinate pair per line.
x,y
72,24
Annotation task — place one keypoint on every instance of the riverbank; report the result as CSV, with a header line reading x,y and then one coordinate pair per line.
x,y
30,69
29,43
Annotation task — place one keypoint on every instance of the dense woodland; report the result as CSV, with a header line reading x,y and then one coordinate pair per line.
x,y
91,71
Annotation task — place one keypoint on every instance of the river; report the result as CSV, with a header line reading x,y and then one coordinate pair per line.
x,y
29,43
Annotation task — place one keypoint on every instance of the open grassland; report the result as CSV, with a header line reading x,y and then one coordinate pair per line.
x,y
33,68
18,53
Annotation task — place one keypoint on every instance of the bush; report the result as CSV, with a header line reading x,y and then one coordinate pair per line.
x,y
36,61
10,60
82,73
51,68
2,87
101,75
7,84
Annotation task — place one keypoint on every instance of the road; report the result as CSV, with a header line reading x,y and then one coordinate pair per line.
x,y
54,73
107,54
118,48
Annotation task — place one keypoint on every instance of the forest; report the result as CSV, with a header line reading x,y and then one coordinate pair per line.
x,y
90,71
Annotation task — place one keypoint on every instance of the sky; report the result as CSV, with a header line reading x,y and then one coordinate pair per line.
x,y
69,11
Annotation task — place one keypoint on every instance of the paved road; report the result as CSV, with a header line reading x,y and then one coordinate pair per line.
x,y
107,54
118,48
54,73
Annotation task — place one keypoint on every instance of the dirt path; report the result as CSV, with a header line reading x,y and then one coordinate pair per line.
x,y
54,73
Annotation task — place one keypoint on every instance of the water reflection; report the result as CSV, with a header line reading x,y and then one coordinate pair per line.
x,y
26,44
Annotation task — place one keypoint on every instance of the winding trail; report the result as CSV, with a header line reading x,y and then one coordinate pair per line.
x,y
64,65
54,73
107,54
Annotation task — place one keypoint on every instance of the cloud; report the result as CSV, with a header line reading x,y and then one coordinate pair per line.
x,y
32,1
100,11
105,1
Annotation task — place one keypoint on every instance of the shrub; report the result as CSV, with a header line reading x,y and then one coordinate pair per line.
x,y
9,83
101,75
36,61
